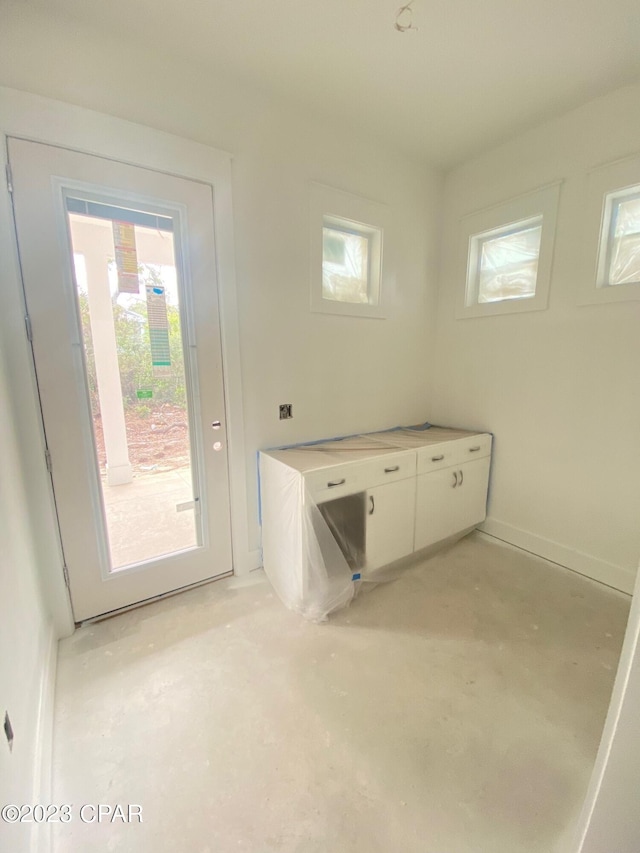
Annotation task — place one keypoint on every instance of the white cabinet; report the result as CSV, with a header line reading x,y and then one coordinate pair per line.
x,y
450,500
337,512
390,512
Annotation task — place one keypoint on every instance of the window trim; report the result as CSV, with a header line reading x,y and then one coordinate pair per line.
x,y
352,214
606,184
539,204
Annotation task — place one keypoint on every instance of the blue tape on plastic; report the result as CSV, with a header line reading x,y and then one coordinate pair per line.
x,y
356,577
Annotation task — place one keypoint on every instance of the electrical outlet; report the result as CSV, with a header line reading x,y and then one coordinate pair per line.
x,y
8,730
285,411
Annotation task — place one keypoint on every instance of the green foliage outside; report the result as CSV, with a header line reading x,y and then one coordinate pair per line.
x,y
134,353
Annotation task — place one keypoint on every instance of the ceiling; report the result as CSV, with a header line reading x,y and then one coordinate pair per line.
x,y
473,72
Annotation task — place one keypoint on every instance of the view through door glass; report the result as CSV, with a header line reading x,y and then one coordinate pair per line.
x,y
129,305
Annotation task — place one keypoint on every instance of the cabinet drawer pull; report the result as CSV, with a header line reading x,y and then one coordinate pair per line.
x,y
333,483
391,470
461,478
474,449
373,505
455,480
437,458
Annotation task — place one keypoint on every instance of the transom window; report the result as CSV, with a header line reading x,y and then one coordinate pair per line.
x,y
350,262
503,263
610,256
619,258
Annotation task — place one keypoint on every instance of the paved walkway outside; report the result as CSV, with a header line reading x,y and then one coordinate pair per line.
x,y
142,519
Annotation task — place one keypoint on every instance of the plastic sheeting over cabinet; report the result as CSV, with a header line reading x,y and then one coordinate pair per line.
x,y
336,515
301,556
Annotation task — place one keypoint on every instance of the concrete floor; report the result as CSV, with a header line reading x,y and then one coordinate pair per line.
x,y
456,710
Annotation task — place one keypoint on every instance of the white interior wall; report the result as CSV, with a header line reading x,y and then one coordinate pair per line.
x,y
342,374
27,632
26,636
558,387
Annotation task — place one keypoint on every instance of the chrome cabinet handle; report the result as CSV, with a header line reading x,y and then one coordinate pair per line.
x,y
455,480
437,458
391,470
373,505
474,449
333,483
461,478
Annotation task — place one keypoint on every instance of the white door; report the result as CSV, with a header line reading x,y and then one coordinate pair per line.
x,y
119,271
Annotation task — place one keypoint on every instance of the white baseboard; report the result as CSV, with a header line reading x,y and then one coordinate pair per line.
x,y
246,562
43,769
617,577
254,560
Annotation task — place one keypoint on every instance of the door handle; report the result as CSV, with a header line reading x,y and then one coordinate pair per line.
x,y
455,480
461,478
333,483
474,449
373,505
437,458
391,470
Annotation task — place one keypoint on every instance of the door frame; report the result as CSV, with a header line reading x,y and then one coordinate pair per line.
x,y
55,123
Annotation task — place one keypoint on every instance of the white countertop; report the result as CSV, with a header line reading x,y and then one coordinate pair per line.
x,y
359,448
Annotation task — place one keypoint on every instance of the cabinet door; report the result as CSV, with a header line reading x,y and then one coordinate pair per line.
x,y
450,500
436,506
471,493
390,521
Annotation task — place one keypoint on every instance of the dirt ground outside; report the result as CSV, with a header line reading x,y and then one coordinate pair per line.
x,y
158,439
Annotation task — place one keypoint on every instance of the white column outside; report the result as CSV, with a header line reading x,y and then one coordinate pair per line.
x,y
97,248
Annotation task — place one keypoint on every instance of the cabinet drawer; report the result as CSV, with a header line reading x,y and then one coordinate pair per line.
x,y
454,452
437,456
474,447
388,469
334,482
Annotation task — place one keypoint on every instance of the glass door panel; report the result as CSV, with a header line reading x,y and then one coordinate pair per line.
x,y
129,304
